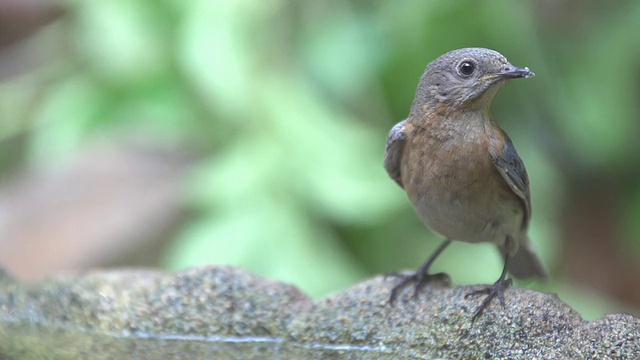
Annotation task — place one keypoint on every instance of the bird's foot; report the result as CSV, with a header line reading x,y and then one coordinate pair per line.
x,y
419,278
497,290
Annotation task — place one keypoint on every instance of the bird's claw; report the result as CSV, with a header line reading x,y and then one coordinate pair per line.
x,y
497,290
420,279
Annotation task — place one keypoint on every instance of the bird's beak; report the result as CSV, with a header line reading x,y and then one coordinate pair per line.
x,y
510,72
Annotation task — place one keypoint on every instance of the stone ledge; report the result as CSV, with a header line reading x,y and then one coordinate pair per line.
x,y
229,305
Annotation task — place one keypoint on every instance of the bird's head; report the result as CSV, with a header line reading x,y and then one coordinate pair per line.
x,y
467,78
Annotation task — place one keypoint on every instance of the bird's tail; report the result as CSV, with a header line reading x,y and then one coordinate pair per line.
x,y
525,263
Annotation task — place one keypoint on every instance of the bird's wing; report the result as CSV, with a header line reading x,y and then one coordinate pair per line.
x,y
513,171
395,146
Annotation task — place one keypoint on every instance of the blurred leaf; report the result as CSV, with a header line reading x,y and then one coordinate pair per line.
x,y
217,56
276,241
326,48
598,106
334,163
121,40
63,119
16,99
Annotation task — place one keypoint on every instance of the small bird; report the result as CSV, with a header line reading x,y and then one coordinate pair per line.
x,y
460,170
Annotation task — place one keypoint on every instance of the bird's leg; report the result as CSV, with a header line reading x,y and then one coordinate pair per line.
x,y
497,290
421,277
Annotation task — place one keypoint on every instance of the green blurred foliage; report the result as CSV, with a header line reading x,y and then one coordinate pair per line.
x,y
291,101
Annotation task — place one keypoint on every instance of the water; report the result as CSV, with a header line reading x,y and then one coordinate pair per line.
x,y
27,342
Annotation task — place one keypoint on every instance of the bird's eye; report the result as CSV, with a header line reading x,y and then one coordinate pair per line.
x,y
466,68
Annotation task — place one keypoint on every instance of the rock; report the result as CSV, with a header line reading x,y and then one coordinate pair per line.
x,y
228,312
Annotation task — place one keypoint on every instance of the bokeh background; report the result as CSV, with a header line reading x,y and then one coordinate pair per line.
x,y
172,134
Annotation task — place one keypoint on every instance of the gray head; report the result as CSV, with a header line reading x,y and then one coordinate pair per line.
x,y
466,78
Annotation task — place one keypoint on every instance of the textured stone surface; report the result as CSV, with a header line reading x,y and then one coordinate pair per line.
x,y
226,311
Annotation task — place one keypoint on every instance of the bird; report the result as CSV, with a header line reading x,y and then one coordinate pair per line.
x,y
461,171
